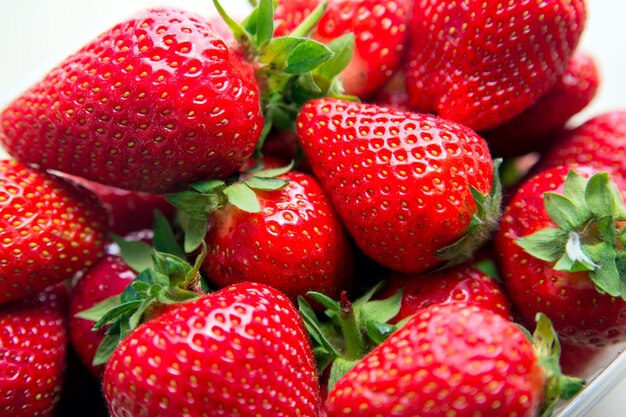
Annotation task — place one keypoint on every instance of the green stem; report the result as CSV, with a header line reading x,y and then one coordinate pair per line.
x,y
350,328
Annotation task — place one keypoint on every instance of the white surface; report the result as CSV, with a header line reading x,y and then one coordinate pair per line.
x,y
36,34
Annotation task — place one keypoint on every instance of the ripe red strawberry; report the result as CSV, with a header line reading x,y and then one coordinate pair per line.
x,y
463,284
32,354
535,128
295,243
130,211
380,30
561,250
599,143
412,189
153,104
50,230
481,63
447,360
241,351
107,278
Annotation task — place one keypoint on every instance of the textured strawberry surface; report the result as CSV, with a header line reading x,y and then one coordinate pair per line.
x,y
50,228
400,181
32,354
153,104
380,30
449,360
295,244
599,143
242,351
462,284
107,278
580,314
536,128
480,63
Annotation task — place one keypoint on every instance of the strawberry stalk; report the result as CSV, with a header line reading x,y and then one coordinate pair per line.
x,y
590,234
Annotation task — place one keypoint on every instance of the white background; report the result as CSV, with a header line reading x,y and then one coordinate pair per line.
x,y
37,34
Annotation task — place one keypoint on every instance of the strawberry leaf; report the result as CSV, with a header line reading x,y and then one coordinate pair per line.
x,y
307,56
563,211
546,244
242,197
136,254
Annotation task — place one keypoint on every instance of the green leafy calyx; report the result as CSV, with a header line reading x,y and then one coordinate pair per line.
x,y
590,231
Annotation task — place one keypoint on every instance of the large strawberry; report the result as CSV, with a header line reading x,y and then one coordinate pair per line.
x,y
380,35
599,143
242,351
561,248
294,243
413,190
480,63
107,278
454,360
161,101
32,354
50,229
536,127
463,284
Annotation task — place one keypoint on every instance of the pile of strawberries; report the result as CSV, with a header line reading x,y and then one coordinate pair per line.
x,y
300,214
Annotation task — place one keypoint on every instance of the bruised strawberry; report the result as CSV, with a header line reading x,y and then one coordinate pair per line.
x,y
599,143
413,190
561,249
463,284
107,278
453,360
50,230
32,354
153,104
536,128
481,63
242,351
380,35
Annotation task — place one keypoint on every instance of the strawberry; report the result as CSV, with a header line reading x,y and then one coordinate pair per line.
x,y
463,284
241,351
50,230
107,278
599,143
130,211
535,128
294,243
412,189
380,35
32,354
561,249
127,110
161,101
454,360
482,63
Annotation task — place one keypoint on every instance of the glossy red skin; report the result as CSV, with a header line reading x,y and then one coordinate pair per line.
x,y
535,129
447,360
32,354
580,314
399,181
107,278
155,103
295,244
461,284
380,30
482,63
242,351
599,143
50,229
130,211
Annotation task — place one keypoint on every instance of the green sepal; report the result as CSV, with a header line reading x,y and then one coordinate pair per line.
x,y
563,211
242,197
320,338
238,31
379,332
116,312
339,368
343,50
273,172
603,197
164,239
106,349
266,184
548,352
311,21
96,312
482,225
574,190
307,56
264,27
279,49
575,258
606,276
196,204
195,231
136,254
